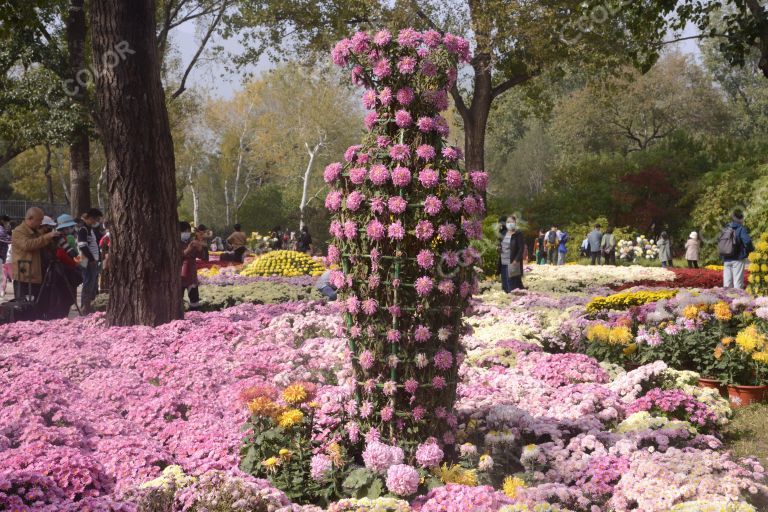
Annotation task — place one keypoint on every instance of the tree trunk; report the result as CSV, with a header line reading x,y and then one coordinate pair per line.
x,y
476,120
305,186
48,177
79,149
195,205
100,185
145,253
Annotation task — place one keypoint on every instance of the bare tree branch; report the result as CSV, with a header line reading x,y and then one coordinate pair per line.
x,y
512,82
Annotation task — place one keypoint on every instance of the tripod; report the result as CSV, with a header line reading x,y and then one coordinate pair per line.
x,y
55,270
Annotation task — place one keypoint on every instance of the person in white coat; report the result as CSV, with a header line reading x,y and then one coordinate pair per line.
x,y
692,248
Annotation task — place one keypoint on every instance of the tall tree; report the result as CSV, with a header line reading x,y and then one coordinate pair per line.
x,y
79,147
133,123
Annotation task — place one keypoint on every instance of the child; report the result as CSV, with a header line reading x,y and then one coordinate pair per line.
x,y
7,270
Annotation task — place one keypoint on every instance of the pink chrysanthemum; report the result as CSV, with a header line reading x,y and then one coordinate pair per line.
x,y
450,153
423,285
402,480
394,310
411,385
432,38
393,336
357,74
382,68
319,467
453,179
373,281
406,65
333,200
405,96
429,455
334,254
370,120
425,152
401,176
447,231
428,68
446,287
421,361
382,38
403,119
350,230
351,152
379,174
353,305
340,52
395,231
451,258
432,205
443,359
355,200
385,96
337,279
425,124
409,38
438,382
387,413
470,205
383,141
424,230
422,333
400,152
370,306
369,99
425,258
332,172
357,175
418,413
367,359
397,204
377,205
360,42
336,229
428,177
479,179
375,230
453,203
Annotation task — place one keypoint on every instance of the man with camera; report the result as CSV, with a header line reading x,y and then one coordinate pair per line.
x,y
28,245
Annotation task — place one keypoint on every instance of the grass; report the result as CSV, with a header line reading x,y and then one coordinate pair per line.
x,y
747,433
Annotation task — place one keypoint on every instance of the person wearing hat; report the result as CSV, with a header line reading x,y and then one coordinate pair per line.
x,y
692,247
88,244
29,242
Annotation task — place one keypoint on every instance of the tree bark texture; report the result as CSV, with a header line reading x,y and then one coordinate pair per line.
x,y
79,149
145,254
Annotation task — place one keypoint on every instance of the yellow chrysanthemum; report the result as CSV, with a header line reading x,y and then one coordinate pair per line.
x,y
271,463
598,332
512,484
455,474
264,407
290,418
620,336
295,394
335,454
761,357
718,352
630,349
722,311
285,453
750,339
691,312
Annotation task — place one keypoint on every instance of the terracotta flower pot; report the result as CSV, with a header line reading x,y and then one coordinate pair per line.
x,y
713,384
741,396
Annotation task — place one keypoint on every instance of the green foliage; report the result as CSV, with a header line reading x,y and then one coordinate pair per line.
x,y
363,483
216,298
578,232
489,245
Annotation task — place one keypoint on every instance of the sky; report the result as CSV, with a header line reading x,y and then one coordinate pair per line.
x,y
213,77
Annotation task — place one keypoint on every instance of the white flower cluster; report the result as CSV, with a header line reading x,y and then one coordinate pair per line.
x,y
642,247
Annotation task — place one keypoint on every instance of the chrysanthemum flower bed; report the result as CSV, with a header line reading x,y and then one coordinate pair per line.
x,y
285,264
90,413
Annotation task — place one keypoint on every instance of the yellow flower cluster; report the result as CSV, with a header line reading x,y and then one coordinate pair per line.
x,y
456,474
619,335
722,311
719,268
753,342
265,407
290,418
209,272
758,268
285,264
626,300
295,394
511,485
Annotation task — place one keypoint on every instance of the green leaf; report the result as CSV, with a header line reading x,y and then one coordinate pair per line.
x,y
375,489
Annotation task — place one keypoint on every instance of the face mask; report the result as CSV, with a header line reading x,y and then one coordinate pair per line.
x,y
511,225
185,237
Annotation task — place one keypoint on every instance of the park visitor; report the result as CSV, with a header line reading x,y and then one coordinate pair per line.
x,y
5,236
237,239
511,248
692,247
7,270
734,245
324,286
584,248
502,230
28,246
551,244
665,250
538,249
595,241
88,243
192,248
104,246
304,243
608,245
562,248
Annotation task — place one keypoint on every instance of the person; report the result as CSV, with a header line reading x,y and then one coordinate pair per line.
x,y
551,244
511,248
192,248
324,286
304,243
29,243
692,247
584,247
665,250
734,245
595,240
105,244
277,238
608,246
5,236
562,249
501,231
202,235
539,248
7,274
238,238
88,244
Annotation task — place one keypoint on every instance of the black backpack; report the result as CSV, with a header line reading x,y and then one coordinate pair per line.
x,y
727,243
552,237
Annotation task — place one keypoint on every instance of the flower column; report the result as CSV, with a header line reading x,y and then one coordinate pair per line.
x,y
403,215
